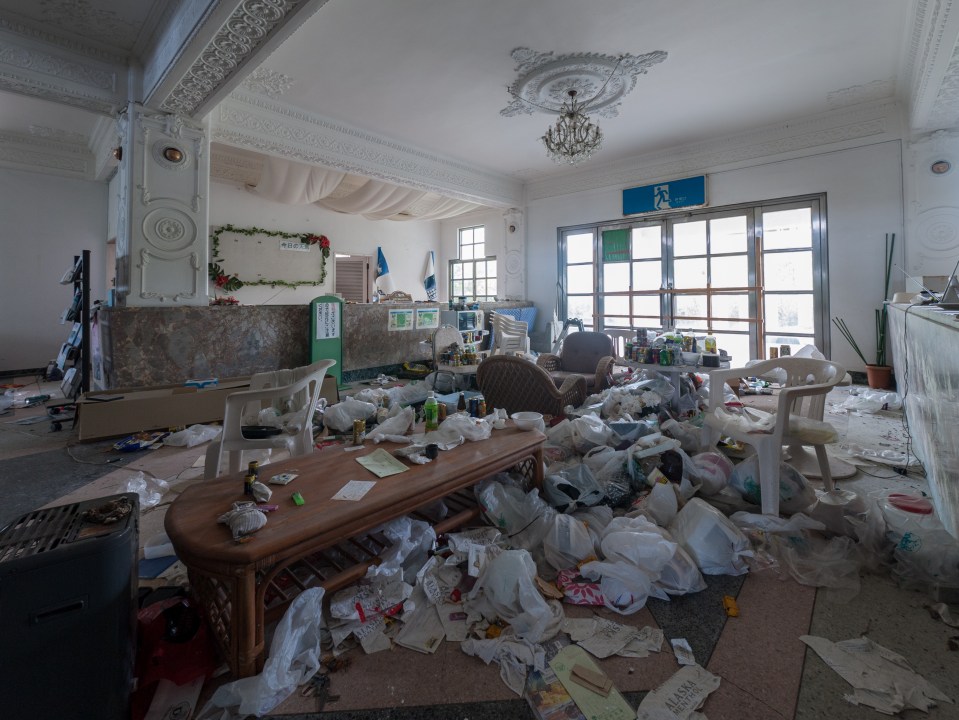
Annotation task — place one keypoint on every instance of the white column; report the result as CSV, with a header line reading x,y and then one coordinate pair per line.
x,y
514,284
163,209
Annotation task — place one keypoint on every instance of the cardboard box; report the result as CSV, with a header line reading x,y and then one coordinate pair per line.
x,y
124,411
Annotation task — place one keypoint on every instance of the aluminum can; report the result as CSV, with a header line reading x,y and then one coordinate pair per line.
x,y
773,352
359,427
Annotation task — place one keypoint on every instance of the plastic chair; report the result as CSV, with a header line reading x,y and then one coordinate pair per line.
x,y
458,375
293,393
797,421
509,335
590,355
516,384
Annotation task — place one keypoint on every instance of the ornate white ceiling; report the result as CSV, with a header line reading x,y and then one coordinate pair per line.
x,y
412,92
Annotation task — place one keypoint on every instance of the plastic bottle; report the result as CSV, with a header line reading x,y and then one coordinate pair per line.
x,y
461,403
431,412
709,343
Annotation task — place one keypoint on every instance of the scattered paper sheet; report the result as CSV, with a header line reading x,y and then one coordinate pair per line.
x,y
593,705
679,697
604,638
422,631
880,678
354,490
171,700
283,479
381,463
682,651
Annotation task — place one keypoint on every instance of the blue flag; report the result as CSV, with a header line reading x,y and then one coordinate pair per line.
x,y
384,283
429,278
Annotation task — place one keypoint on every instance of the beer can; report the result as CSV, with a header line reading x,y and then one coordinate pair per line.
x,y
359,427
773,352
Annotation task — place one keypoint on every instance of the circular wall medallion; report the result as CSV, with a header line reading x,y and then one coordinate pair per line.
x,y
169,229
514,262
937,232
170,155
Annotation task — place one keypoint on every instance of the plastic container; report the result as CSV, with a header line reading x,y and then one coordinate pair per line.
x,y
431,412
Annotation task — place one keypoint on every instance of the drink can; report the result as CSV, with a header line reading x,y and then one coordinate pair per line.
x,y
784,350
654,356
665,356
359,427
773,352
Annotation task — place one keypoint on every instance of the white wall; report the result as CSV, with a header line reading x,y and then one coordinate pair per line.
x,y
46,220
405,244
495,234
864,199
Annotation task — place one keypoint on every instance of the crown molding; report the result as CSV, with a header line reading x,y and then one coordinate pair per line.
x,y
932,67
231,39
33,32
263,125
868,122
36,153
30,65
103,141
234,168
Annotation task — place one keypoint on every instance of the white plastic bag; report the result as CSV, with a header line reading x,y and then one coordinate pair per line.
x,y
572,485
567,543
712,470
150,490
795,492
625,587
193,436
340,417
468,427
716,545
662,504
589,431
398,424
294,658
524,518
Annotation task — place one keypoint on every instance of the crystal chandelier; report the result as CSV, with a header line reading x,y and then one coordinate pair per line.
x,y
573,138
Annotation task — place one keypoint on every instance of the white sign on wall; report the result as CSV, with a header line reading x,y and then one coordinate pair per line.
x,y
290,245
327,321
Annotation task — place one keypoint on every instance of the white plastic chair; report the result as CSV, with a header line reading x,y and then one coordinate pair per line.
x,y
509,335
293,394
797,420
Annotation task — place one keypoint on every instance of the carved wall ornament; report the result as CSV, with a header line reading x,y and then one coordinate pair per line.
x,y
544,80
169,229
170,155
267,82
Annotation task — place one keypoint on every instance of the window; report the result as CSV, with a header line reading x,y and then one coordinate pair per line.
x,y
754,276
473,275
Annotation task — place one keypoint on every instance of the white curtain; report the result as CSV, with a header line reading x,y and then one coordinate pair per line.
x,y
294,183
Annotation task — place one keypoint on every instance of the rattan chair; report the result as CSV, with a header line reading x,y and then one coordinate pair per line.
x,y
516,384
590,355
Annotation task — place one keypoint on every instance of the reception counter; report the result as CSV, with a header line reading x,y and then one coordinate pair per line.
x,y
148,346
925,349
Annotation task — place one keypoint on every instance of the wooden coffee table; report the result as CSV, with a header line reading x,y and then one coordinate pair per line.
x,y
324,542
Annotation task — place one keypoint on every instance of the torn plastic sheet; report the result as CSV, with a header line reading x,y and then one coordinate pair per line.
x,y
880,678
603,638
679,697
514,656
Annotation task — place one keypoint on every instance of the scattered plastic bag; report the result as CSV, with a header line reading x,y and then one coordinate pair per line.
x,y
398,424
716,545
571,485
588,432
150,490
294,658
712,470
567,543
872,401
468,427
661,505
193,436
524,518
625,588
795,492
340,417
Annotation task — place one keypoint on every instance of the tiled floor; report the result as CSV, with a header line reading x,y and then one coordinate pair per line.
x,y
766,671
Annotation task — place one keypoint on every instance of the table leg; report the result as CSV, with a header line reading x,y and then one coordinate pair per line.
x,y
538,469
247,627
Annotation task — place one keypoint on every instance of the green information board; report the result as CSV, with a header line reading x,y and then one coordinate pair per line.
x,y
615,246
326,333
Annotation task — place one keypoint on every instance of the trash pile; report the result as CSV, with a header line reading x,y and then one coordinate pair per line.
x,y
632,507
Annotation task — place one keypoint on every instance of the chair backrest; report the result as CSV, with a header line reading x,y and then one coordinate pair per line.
x,y
443,337
582,351
793,372
620,336
516,384
509,334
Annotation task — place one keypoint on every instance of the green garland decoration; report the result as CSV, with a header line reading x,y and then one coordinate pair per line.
x,y
231,283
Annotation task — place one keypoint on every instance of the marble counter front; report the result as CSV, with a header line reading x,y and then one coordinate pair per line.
x,y
925,345
146,346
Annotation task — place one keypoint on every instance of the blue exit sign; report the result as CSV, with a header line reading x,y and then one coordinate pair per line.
x,y
664,196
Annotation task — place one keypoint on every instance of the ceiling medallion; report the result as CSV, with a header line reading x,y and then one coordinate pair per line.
x,y
574,86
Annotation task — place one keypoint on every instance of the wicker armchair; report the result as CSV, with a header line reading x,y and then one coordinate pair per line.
x,y
589,355
516,384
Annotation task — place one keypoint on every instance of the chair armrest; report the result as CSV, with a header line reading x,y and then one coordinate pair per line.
x,y
549,362
573,391
604,372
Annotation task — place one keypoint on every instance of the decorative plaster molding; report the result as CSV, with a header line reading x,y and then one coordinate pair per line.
x,y
58,94
544,80
247,28
147,259
35,60
267,82
56,134
27,30
233,168
945,111
876,90
862,122
933,38
276,128
39,154
82,18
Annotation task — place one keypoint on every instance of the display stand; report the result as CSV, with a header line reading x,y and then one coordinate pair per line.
x,y
73,360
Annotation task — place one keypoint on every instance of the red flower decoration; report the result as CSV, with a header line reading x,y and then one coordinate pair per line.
x,y
221,280
324,242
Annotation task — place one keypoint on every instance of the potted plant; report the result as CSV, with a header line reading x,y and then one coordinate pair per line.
x,y
878,374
